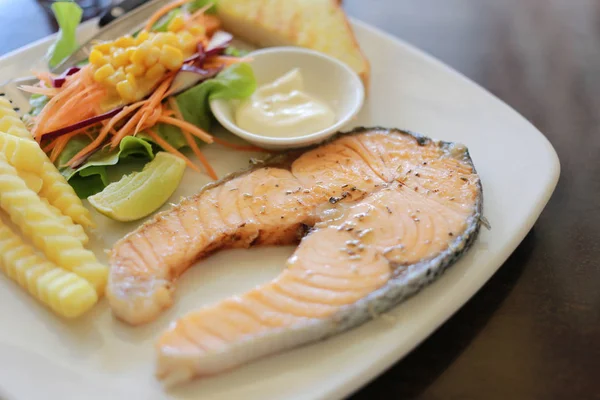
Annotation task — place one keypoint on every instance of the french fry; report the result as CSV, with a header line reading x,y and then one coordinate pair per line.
x,y
62,196
32,181
6,109
23,154
8,122
74,230
38,223
20,131
55,187
65,293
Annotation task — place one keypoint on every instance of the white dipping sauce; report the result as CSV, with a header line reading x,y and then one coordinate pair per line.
x,y
283,109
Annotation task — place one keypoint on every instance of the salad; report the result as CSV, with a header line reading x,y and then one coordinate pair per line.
x,y
136,95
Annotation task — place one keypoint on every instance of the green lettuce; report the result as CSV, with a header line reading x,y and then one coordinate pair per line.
x,y
37,102
92,177
235,52
163,23
235,82
68,16
195,5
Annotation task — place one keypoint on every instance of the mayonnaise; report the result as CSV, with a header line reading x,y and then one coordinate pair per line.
x,y
282,109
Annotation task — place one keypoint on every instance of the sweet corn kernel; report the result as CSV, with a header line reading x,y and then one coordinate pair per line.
x,y
126,90
129,51
132,65
125,41
176,24
156,72
103,47
140,54
135,69
153,56
103,73
129,77
142,37
187,42
120,58
97,58
197,30
171,57
171,39
117,77
158,40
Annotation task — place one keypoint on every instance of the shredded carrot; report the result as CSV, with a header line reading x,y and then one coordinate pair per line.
x,y
45,77
91,94
105,131
174,107
173,89
62,142
186,126
152,104
211,23
239,147
229,60
162,11
50,145
156,114
200,12
126,130
194,146
46,91
88,133
78,99
192,142
165,145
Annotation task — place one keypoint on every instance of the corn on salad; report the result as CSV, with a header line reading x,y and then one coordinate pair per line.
x,y
130,67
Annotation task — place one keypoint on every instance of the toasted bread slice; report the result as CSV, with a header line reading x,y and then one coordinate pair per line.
x,y
317,24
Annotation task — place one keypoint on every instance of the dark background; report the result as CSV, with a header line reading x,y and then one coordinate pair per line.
x,y
533,331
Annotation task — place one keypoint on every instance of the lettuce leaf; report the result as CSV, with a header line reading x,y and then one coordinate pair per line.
x,y
92,177
68,16
235,82
163,23
171,134
37,102
235,52
198,4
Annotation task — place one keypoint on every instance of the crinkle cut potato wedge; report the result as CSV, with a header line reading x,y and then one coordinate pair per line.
x,y
38,222
65,293
19,148
320,25
386,212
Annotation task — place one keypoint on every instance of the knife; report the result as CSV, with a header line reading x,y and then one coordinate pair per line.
x,y
118,26
118,10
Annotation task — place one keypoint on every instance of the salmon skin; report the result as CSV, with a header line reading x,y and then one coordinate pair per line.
x,y
379,213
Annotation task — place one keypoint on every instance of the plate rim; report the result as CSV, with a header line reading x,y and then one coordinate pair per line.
x,y
376,366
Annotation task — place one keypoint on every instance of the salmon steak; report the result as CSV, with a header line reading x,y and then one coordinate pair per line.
x,y
378,214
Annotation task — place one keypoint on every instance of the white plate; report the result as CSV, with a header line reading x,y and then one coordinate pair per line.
x,y
100,358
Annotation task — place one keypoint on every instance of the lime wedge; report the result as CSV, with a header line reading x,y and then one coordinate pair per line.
x,y
139,194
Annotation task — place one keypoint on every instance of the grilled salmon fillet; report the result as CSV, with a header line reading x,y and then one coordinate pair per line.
x,y
378,214
316,24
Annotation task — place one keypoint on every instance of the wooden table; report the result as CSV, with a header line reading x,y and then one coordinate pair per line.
x,y
533,331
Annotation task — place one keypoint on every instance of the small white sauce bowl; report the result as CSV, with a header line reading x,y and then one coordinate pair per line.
x,y
325,77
